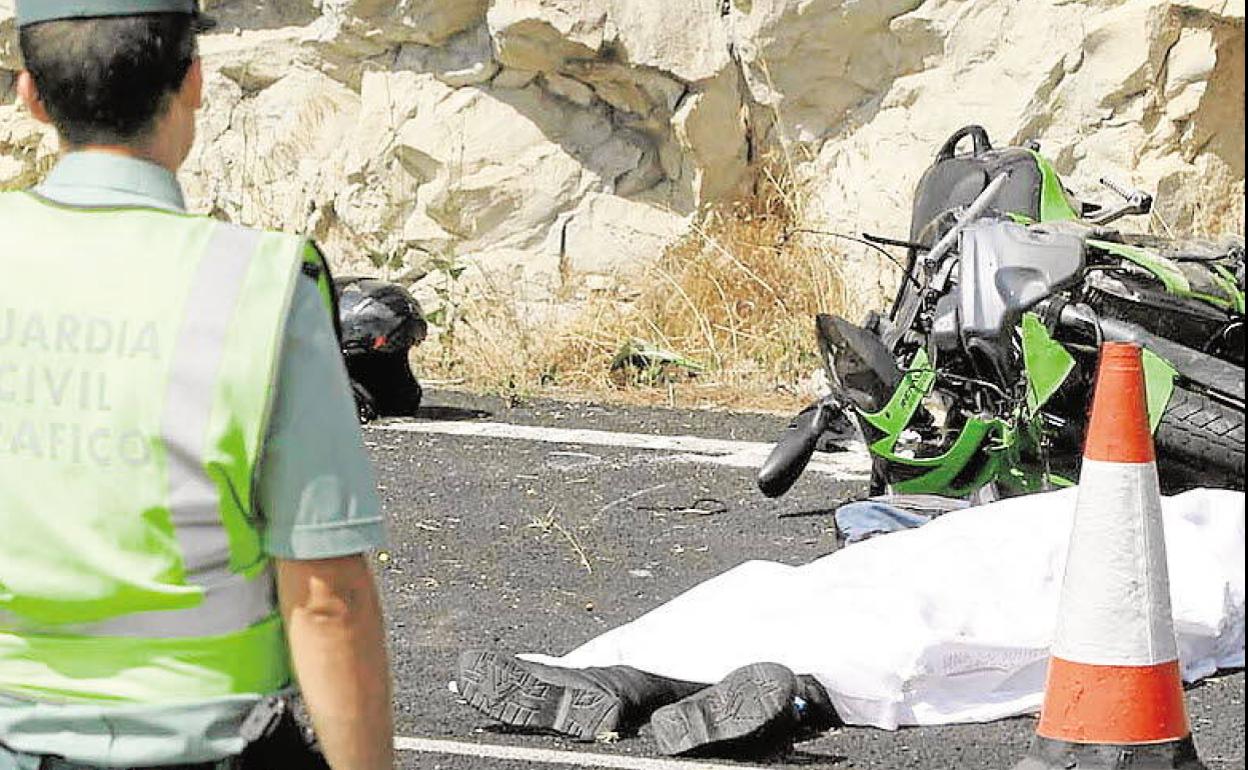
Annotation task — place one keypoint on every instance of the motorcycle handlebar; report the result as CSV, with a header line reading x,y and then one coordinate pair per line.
x,y
1134,202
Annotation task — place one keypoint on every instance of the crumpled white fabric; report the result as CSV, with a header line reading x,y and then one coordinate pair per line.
x,y
943,624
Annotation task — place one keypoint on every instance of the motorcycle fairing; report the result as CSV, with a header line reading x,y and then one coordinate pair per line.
x,y
857,363
1159,377
1173,277
988,448
1055,204
1047,363
958,471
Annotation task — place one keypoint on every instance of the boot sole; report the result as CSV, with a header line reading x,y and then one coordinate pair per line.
x,y
748,703
500,687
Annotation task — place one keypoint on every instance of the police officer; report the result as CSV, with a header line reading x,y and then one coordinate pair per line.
x,y
185,505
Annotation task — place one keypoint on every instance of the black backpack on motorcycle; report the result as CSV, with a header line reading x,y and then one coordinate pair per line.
x,y
955,180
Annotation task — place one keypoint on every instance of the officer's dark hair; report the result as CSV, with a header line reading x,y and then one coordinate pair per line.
x,y
107,80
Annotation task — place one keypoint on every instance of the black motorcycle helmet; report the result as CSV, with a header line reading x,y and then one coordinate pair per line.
x,y
378,317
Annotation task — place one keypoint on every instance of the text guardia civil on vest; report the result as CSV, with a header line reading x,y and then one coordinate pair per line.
x,y
55,377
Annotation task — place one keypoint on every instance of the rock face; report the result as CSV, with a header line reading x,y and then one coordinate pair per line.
x,y
1149,93
561,144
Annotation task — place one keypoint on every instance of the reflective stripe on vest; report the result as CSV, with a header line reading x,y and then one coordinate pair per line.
x,y
193,499
198,609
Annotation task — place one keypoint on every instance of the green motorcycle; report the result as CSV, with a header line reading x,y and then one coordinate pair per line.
x,y
978,379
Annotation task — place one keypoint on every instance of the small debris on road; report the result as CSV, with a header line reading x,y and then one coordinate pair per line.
x,y
703,506
571,461
631,497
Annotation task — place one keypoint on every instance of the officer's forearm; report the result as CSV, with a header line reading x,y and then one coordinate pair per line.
x,y
334,625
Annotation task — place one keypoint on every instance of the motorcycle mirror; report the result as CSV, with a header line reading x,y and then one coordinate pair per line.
x,y
793,451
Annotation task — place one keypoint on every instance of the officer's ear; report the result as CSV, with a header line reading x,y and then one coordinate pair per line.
x,y
192,91
29,93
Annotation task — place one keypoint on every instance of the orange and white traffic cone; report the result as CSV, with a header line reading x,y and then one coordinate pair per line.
x,y
1114,696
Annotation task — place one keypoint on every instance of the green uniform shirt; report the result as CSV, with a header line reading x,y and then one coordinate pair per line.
x,y
315,489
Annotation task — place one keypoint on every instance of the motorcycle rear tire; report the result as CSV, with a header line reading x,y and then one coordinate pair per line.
x,y
1200,442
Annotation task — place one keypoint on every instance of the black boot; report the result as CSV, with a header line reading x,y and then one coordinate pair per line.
x,y
751,714
579,703
815,713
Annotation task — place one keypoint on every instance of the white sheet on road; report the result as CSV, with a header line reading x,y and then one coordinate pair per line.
x,y
947,623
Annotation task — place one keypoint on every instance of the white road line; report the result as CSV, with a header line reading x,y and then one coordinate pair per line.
x,y
849,466
572,436
737,454
551,756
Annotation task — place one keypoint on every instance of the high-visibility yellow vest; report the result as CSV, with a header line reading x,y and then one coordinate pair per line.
x,y
138,355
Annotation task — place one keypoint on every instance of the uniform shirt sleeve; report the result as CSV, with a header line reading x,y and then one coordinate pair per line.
x,y
316,488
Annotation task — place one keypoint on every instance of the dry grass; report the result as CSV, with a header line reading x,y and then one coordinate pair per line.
x,y
737,296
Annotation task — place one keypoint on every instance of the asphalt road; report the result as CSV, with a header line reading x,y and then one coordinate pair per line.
x,y
530,546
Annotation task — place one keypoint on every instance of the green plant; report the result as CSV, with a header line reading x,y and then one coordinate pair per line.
x,y
445,280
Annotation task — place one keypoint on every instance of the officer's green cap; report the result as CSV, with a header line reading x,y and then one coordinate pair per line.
x,y
35,11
